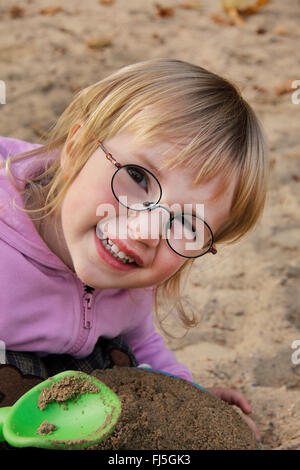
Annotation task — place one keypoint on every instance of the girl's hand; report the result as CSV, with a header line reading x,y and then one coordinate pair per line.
x,y
233,397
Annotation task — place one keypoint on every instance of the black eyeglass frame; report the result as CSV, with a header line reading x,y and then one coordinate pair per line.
x,y
119,166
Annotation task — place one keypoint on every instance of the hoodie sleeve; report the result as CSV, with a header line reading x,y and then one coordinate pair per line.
x,y
149,346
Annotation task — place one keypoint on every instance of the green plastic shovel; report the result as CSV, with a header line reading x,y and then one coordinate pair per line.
x,y
80,422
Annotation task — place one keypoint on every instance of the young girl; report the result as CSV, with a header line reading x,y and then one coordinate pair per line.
x,y
83,251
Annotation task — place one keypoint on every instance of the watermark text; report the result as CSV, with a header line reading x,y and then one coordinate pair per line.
x,y
2,92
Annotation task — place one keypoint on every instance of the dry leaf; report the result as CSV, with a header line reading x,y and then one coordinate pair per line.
x,y
99,42
255,7
190,5
107,2
51,10
235,17
244,6
259,88
279,30
261,30
220,19
16,12
283,88
235,9
292,155
238,4
163,12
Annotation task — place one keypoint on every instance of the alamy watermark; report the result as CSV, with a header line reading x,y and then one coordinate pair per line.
x,y
296,354
296,94
2,92
2,352
144,225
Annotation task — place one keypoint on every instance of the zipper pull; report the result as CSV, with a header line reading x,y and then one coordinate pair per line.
x,y
87,306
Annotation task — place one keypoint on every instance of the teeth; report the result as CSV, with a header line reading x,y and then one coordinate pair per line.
x,y
99,233
110,246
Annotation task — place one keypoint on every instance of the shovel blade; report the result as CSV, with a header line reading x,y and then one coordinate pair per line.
x,y
79,422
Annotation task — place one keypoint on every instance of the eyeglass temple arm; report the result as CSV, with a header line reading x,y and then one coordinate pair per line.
x,y
107,154
213,250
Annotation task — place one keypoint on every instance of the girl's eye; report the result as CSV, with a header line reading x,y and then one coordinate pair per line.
x,y
139,176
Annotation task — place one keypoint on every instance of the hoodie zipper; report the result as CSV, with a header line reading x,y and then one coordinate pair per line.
x,y
87,299
87,306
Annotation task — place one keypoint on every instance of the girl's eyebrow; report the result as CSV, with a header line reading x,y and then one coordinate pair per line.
x,y
142,156
148,163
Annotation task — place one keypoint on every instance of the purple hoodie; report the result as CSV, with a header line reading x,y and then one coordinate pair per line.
x,y
45,307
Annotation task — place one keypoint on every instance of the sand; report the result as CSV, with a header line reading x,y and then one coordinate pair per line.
x,y
246,297
65,389
158,411
46,428
161,412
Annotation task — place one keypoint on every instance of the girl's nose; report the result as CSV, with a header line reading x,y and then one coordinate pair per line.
x,y
147,226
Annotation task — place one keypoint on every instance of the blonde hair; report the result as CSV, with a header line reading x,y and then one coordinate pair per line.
x,y
216,129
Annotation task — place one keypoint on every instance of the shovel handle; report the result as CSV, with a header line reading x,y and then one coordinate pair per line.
x,y
4,412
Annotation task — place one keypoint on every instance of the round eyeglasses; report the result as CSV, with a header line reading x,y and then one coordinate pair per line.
x,y
138,189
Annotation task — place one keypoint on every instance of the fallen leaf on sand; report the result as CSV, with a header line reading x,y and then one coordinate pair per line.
x,y
107,2
261,30
51,10
259,88
16,12
163,12
279,30
235,16
99,43
190,5
246,7
236,9
221,19
292,155
283,88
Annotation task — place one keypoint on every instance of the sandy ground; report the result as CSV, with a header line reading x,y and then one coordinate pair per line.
x,y
247,297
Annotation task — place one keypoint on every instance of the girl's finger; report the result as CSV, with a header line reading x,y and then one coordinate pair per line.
x,y
252,426
233,397
238,399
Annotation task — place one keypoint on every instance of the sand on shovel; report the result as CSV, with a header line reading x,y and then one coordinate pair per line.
x,y
66,388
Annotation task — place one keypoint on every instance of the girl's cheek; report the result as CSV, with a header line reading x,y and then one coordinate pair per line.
x,y
107,209
168,265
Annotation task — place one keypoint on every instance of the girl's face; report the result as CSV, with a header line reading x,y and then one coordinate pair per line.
x,y
82,210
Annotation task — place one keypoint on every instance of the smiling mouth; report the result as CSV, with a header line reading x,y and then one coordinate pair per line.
x,y
114,250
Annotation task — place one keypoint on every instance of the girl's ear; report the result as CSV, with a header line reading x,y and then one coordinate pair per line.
x,y
66,150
